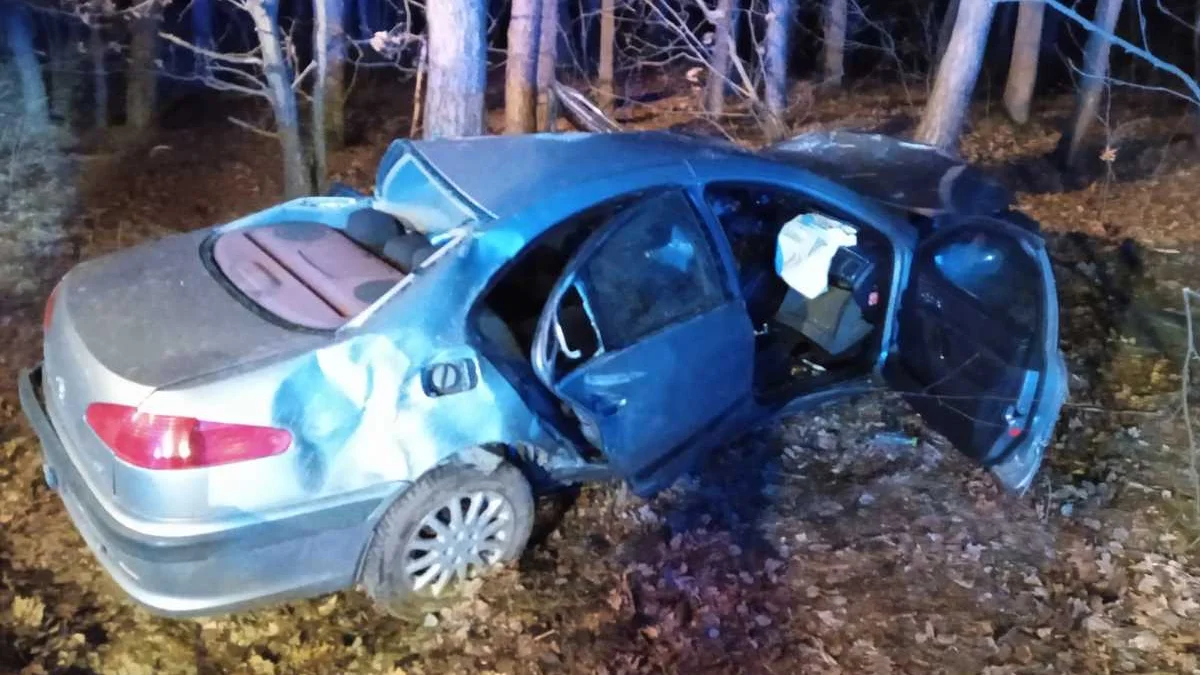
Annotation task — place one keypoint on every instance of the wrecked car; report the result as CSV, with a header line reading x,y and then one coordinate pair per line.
x,y
370,390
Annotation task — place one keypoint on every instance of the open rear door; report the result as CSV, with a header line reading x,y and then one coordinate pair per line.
x,y
645,341
977,352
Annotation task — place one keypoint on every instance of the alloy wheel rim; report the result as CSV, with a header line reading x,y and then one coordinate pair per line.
x,y
461,538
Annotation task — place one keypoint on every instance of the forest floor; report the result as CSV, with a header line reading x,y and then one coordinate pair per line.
x,y
807,547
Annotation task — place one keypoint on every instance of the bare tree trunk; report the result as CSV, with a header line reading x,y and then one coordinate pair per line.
x,y
142,81
1022,69
418,91
547,64
608,37
19,33
1196,43
520,83
98,51
1091,85
946,31
335,74
1195,123
202,32
457,68
718,75
328,95
297,179
779,28
834,24
321,57
64,66
946,109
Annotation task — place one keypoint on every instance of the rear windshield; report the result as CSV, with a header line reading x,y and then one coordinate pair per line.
x,y
409,190
313,275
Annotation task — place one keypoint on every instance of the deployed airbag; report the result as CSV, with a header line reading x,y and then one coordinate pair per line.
x,y
805,248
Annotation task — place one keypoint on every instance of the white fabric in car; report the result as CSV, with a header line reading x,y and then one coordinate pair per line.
x,y
805,248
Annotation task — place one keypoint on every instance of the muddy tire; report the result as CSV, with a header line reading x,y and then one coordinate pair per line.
x,y
456,522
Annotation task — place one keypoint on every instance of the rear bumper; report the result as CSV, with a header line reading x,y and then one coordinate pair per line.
x,y
274,559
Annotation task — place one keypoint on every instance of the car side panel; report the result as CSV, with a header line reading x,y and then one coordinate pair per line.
x,y
358,411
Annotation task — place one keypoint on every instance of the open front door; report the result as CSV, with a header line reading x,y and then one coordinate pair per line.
x,y
645,341
977,352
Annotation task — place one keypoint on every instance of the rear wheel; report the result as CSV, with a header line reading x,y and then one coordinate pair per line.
x,y
456,523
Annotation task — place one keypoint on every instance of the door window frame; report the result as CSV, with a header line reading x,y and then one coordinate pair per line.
x,y
718,249
900,236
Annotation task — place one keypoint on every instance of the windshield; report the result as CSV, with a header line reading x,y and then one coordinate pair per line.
x,y
412,192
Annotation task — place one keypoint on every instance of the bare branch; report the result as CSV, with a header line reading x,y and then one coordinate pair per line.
x,y
299,79
241,59
252,128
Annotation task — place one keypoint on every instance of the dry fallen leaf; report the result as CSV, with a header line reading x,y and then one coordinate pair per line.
x,y
829,619
28,611
1145,641
1098,624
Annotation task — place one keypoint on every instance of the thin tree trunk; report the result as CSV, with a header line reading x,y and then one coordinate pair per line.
x,y
946,31
57,52
547,63
1091,84
1196,72
335,75
142,84
608,37
779,28
455,84
718,76
65,69
1022,69
19,29
947,107
98,51
834,23
520,84
418,91
365,31
1196,43
202,32
321,57
328,52
297,179
577,31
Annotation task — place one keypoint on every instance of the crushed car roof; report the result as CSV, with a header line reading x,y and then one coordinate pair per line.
x,y
504,174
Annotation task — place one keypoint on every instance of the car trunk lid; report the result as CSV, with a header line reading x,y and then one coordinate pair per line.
x,y
154,315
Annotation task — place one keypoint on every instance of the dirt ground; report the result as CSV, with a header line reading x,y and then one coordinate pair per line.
x,y
807,547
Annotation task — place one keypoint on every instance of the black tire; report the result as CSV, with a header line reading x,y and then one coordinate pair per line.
x,y
383,578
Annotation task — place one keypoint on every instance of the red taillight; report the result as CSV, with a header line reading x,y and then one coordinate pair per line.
x,y
168,442
48,313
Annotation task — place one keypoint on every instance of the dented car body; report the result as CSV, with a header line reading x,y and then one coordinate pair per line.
x,y
229,413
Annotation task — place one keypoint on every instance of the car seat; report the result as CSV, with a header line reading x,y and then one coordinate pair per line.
x,y
372,228
408,250
832,320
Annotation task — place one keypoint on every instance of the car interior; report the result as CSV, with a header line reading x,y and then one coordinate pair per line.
x,y
506,316
522,290
804,343
317,276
